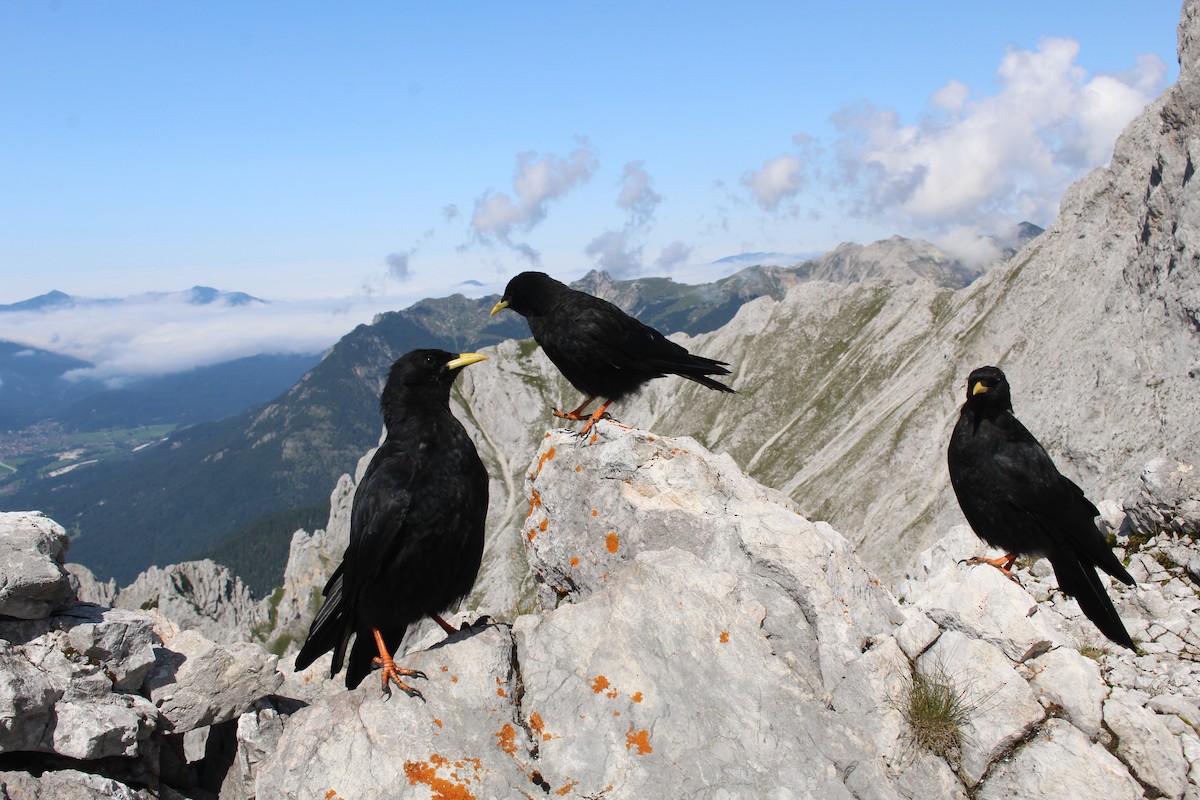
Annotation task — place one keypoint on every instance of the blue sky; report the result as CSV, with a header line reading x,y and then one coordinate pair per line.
x,y
391,151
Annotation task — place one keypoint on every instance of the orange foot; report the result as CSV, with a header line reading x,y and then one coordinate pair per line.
x,y
575,415
1004,564
597,415
392,673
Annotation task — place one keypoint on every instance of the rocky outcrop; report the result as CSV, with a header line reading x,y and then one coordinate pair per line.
x,y
196,595
33,581
694,635
101,702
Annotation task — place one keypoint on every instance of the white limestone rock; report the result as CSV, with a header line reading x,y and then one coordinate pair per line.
x,y
197,682
1066,678
984,604
1002,707
33,582
1146,745
1060,763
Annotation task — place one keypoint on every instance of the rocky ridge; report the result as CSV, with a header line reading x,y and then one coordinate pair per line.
x,y
693,635
696,636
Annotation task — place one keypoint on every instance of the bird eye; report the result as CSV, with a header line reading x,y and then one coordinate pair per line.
x,y
430,361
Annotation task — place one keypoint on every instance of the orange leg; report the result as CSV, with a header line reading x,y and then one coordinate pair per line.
x,y
577,414
393,673
592,421
1003,563
446,626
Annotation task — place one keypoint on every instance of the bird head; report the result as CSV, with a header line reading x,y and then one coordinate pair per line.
x,y
528,293
988,388
424,373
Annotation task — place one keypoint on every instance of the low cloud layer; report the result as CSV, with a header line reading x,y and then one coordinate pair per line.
x,y
158,334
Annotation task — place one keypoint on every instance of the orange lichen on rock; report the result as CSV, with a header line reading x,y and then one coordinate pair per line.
x,y
612,542
531,534
500,692
506,739
636,697
542,459
724,637
595,512
640,740
574,561
437,722
538,726
600,684
578,468
567,787
535,500
440,788
545,524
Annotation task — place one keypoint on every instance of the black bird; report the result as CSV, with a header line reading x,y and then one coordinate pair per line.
x,y
1015,499
416,527
599,348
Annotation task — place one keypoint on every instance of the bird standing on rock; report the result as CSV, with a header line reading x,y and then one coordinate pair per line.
x,y
599,348
1015,499
416,527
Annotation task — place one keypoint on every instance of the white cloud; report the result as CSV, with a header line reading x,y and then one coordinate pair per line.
x,y
615,254
673,255
398,265
779,179
536,183
637,194
984,161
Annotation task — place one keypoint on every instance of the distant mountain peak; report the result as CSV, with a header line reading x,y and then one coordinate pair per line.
x,y
207,295
51,299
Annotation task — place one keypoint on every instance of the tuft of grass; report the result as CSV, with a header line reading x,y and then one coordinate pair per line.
x,y
1165,561
936,712
1091,651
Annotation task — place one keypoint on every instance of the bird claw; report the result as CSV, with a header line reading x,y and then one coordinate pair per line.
x,y
392,674
998,563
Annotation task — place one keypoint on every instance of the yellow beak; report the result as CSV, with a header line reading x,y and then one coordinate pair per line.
x,y
978,388
503,304
464,359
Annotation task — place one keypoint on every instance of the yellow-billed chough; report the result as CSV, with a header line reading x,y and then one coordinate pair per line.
x,y
416,526
1015,499
599,348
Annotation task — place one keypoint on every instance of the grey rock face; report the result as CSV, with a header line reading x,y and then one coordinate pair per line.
x,y
196,595
696,636
1168,499
33,583
198,682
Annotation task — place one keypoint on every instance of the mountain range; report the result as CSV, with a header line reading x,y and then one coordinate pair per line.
x,y
179,498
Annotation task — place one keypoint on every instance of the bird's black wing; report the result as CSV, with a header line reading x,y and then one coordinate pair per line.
x,y
380,507
1063,513
630,345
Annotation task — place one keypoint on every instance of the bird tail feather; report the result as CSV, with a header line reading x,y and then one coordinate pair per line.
x,y
1083,583
329,630
697,368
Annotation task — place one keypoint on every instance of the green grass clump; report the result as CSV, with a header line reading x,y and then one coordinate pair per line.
x,y
936,712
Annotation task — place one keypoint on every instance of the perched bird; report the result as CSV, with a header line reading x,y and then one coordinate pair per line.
x,y
599,348
1015,499
416,526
